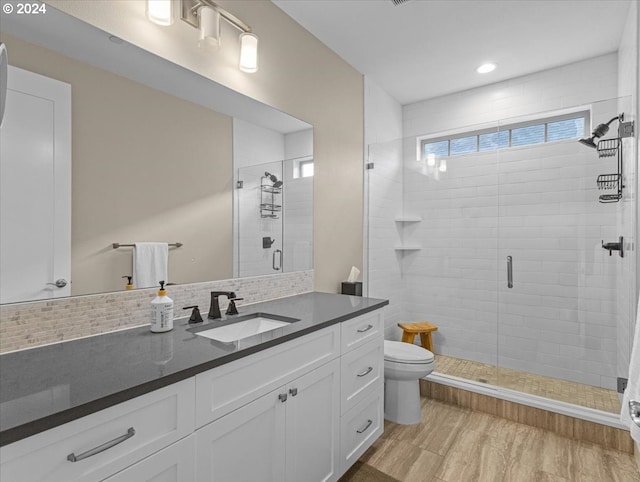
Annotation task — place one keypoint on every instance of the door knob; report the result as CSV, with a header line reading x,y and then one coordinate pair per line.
x,y
60,283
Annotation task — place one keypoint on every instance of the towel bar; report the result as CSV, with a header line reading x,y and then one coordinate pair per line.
x,y
118,245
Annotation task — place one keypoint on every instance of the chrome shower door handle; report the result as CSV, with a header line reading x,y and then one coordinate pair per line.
x,y
509,272
273,260
634,411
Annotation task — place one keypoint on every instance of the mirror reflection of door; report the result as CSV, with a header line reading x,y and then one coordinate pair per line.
x,y
35,189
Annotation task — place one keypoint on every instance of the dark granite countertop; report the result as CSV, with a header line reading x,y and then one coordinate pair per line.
x,y
44,387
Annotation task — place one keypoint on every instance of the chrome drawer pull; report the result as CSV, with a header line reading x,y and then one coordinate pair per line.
x,y
77,458
364,429
634,412
365,329
366,372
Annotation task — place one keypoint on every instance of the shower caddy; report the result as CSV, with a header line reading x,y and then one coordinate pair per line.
x,y
268,206
613,148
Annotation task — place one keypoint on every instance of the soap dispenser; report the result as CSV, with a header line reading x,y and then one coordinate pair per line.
x,y
129,284
161,311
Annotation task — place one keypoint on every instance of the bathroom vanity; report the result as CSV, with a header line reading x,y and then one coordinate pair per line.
x,y
301,403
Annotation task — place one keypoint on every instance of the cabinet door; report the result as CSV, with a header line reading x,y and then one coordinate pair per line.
x,y
176,463
313,425
246,445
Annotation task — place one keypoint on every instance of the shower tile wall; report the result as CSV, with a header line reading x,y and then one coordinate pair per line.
x,y
454,280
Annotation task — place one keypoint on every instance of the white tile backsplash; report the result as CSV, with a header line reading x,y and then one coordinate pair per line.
x,y
27,325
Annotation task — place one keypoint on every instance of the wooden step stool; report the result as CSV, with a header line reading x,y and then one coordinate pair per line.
x,y
424,328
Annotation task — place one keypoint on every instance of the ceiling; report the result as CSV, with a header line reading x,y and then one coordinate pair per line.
x,y
422,49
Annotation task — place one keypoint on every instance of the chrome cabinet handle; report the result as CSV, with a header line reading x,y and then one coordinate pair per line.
x,y
60,283
282,397
365,329
101,448
293,391
509,272
366,372
634,411
273,260
366,427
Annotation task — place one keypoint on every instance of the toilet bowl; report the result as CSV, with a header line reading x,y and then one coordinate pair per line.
x,y
404,365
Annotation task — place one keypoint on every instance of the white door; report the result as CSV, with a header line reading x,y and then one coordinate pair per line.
x,y
246,445
313,425
35,188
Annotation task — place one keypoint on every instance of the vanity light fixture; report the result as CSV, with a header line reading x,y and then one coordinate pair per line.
x,y
486,68
209,25
160,12
248,52
205,15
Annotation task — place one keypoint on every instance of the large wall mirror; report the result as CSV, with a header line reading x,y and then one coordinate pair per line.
x,y
157,153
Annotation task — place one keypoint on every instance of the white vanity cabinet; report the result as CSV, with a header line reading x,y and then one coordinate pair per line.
x,y
99,445
175,463
362,386
289,434
304,410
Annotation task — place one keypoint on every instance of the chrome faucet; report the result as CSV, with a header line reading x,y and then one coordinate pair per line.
x,y
214,309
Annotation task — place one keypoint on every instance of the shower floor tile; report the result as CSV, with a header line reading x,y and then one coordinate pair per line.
x,y
564,391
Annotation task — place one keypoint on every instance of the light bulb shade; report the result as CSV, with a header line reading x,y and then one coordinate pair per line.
x,y
160,12
209,25
248,52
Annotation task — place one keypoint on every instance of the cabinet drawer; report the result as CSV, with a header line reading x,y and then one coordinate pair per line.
x,y
176,463
158,419
228,387
361,369
361,330
361,426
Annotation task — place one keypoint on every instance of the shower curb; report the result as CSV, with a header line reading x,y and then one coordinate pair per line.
x,y
572,421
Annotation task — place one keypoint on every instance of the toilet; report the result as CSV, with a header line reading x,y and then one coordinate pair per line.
x,y
404,365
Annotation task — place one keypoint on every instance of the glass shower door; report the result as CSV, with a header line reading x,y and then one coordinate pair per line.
x,y
559,300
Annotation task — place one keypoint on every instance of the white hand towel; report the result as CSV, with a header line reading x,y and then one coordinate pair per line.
x,y
632,392
150,264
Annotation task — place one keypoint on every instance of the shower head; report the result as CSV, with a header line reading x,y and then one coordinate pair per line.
x,y
588,141
270,176
599,131
277,184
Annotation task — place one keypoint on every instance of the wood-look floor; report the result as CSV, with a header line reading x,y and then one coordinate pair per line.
x,y
553,388
454,444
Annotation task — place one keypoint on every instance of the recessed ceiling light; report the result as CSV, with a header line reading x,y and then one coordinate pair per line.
x,y
486,68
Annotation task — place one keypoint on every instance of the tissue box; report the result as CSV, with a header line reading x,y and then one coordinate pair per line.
x,y
349,288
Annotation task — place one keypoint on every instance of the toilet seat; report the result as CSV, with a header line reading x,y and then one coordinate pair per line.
x,y
406,353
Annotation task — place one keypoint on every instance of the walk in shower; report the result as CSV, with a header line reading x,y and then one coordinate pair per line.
x,y
495,234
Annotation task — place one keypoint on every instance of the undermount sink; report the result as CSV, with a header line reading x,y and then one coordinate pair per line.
x,y
250,326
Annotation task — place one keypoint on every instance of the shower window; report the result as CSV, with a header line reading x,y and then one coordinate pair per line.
x,y
531,132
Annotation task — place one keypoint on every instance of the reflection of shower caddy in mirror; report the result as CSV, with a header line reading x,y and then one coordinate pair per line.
x,y
269,188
